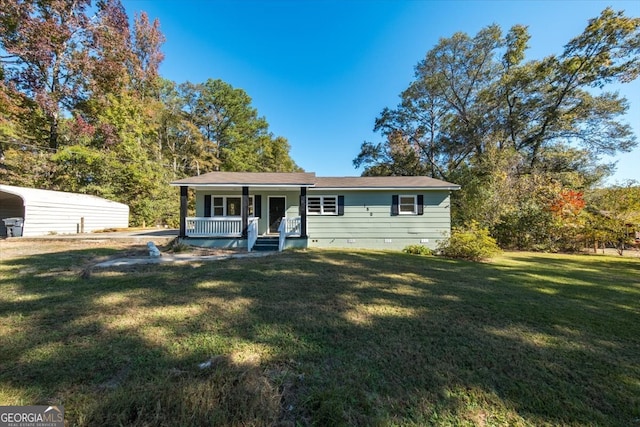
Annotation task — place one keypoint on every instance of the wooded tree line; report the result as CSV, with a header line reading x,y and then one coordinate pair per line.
x,y
84,109
524,138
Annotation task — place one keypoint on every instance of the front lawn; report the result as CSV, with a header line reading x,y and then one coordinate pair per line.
x,y
324,338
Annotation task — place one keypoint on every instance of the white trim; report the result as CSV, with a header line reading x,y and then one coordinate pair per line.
x,y
383,188
269,231
313,187
194,185
415,204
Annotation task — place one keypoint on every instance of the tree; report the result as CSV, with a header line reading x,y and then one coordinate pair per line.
x,y
442,116
180,141
84,109
467,98
46,47
274,155
614,214
480,115
12,109
147,40
120,159
234,133
113,63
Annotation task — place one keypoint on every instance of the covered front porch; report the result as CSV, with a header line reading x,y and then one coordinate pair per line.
x,y
242,210
228,232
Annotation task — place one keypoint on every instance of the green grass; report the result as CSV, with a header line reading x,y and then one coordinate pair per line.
x,y
325,338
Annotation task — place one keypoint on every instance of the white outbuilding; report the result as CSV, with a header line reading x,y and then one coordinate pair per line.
x,y
43,212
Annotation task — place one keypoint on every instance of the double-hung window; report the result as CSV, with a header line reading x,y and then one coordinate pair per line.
x,y
407,204
229,206
322,205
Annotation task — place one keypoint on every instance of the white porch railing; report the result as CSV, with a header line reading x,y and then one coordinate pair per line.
x,y
222,226
217,226
293,226
288,227
252,233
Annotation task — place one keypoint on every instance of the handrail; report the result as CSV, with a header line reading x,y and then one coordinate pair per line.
x,y
288,227
293,226
252,233
282,231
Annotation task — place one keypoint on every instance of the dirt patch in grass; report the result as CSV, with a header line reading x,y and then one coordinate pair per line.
x,y
25,247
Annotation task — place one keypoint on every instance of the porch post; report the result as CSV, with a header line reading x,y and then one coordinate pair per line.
x,y
183,211
303,211
245,212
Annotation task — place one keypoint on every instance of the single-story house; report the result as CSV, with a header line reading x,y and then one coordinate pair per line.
x,y
244,209
44,212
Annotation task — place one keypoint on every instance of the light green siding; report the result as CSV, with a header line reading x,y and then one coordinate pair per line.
x,y
368,223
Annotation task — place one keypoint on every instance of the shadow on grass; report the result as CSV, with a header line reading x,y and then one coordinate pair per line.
x,y
326,338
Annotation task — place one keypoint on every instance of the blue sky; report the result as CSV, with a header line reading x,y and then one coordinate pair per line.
x,y
322,71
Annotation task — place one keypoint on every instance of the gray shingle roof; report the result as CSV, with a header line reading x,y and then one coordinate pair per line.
x,y
250,178
305,179
379,182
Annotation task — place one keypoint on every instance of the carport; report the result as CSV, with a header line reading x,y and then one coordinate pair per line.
x,y
56,212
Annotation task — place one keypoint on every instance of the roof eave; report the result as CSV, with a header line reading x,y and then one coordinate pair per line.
x,y
195,184
387,188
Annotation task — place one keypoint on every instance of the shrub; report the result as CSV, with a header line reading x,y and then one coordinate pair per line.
x,y
417,250
471,242
176,246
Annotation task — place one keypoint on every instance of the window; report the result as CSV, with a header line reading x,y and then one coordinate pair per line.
x,y
218,206
233,206
408,205
229,206
322,205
